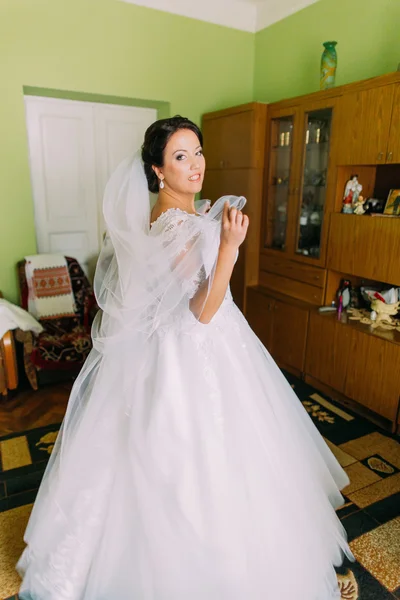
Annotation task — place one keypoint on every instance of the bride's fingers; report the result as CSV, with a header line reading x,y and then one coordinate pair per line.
x,y
225,213
232,215
239,217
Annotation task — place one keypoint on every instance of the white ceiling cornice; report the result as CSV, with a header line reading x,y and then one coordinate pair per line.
x,y
271,11
246,15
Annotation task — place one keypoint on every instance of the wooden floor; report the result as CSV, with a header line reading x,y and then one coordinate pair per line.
x,y
27,409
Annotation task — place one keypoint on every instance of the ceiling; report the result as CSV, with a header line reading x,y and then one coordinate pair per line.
x,y
247,15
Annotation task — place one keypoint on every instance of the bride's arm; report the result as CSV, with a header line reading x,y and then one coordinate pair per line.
x,y
206,302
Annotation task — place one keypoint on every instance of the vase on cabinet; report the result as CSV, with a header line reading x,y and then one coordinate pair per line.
x,y
328,66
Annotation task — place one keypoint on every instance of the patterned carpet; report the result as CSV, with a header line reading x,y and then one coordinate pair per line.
x,y
371,514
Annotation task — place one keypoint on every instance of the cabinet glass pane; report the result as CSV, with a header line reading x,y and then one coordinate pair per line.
x,y
313,192
278,181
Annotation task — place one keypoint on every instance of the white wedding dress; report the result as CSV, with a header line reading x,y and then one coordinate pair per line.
x,y
186,470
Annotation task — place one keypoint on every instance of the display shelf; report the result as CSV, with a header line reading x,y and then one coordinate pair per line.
x,y
390,335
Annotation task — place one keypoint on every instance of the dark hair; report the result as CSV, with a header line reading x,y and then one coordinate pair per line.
x,y
155,140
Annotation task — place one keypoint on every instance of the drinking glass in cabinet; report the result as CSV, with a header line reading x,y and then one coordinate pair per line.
x,y
278,181
313,192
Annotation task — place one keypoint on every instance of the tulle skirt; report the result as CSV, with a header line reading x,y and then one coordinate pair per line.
x,y
186,468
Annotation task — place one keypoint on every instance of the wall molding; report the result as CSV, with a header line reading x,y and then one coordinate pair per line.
x,y
245,15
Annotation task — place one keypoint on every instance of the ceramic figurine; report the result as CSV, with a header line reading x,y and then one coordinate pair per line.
x,y
358,207
351,193
357,188
348,196
384,312
343,296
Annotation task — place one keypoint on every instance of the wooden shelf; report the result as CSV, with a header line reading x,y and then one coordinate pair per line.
x,y
390,335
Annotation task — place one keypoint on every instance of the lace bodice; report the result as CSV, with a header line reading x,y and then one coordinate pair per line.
x,y
167,225
169,219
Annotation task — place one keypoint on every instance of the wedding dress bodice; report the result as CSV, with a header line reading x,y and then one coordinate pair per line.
x,y
167,225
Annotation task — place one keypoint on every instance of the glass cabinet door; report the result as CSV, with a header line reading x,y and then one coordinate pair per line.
x,y
313,191
280,154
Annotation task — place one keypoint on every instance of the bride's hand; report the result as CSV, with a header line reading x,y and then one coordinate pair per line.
x,y
233,226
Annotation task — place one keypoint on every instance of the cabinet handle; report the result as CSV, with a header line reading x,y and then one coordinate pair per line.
x,y
390,156
221,164
380,155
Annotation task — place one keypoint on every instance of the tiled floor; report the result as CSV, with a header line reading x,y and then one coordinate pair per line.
x,y
371,514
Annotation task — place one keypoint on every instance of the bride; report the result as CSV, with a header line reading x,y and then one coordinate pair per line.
x,y
185,468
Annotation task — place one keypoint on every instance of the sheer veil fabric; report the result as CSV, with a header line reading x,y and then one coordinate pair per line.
x,y
185,466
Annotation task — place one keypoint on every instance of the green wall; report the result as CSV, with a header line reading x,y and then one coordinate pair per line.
x,y
110,48
288,53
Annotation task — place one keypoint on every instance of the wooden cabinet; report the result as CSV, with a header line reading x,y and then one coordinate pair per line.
x,y
292,160
368,126
281,181
297,196
328,348
234,141
281,325
373,374
289,335
377,125
233,138
358,364
393,155
352,110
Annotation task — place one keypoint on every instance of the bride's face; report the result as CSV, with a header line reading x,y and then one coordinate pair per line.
x,y
184,164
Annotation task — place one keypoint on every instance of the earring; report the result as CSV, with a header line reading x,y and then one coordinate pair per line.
x,y
161,184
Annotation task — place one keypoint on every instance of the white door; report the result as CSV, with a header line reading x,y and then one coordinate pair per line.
x,y
73,148
119,132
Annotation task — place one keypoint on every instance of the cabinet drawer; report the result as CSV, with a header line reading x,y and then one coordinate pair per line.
x,y
288,268
292,287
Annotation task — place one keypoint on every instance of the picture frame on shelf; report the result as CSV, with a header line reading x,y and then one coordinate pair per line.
x,y
392,206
